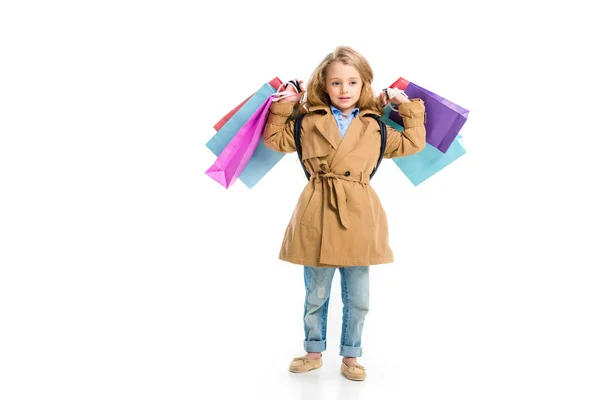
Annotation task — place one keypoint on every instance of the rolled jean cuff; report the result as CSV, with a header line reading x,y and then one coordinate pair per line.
x,y
315,346
349,351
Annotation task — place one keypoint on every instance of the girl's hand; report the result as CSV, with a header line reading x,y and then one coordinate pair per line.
x,y
289,88
398,96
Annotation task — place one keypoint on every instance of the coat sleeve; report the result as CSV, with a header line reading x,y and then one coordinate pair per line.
x,y
412,140
279,130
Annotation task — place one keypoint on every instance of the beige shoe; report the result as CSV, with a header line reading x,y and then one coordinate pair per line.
x,y
355,372
305,364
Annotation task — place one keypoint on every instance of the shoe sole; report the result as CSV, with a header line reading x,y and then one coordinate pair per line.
x,y
301,371
350,377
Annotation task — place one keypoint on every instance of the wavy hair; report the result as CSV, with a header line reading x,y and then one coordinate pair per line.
x,y
316,89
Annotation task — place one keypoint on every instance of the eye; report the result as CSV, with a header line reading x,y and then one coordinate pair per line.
x,y
353,83
335,83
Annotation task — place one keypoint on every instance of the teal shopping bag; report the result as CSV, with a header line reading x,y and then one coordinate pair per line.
x,y
263,159
426,163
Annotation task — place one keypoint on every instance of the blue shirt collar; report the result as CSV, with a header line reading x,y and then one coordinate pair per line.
x,y
336,111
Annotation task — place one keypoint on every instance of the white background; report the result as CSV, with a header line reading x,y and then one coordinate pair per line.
x,y
126,273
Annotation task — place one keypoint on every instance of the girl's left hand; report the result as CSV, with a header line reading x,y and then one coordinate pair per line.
x,y
397,98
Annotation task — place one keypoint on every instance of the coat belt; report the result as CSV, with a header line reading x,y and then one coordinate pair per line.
x,y
337,194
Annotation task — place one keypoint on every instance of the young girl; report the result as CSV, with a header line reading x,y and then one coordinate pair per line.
x,y
339,222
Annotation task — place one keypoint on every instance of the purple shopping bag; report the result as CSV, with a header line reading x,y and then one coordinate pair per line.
x,y
235,156
444,118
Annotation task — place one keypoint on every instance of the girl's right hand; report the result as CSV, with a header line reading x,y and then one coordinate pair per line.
x,y
295,98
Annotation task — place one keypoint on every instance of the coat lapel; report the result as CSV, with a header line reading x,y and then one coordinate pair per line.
x,y
351,138
327,127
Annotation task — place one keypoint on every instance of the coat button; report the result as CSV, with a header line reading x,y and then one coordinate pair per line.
x,y
347,173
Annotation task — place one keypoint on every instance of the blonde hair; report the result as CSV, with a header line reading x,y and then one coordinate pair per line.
x,y
316,89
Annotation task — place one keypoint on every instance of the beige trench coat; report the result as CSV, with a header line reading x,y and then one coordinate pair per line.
x,y
338,220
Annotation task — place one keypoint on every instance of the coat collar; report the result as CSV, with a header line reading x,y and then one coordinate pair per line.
x,y
337,112
327,110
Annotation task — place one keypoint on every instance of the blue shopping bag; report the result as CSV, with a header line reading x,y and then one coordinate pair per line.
x,y
426,163
263,159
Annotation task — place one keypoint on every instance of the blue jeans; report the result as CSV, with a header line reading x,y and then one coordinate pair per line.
x,y
355,297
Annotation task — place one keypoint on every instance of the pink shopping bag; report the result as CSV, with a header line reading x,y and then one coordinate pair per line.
x,y
235,156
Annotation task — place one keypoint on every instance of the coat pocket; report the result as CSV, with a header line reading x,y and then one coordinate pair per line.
x,y
372,209
362,205
308,215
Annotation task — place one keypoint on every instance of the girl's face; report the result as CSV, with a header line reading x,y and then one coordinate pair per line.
x,y
343,85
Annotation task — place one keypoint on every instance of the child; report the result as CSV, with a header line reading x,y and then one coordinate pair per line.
x,y
338,222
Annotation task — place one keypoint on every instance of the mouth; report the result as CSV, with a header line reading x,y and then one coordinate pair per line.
x,y
344,98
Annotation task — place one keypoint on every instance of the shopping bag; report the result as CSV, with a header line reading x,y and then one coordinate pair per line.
x,y
444,118
224,135
275,83
223,120
422,165
236,154
263,159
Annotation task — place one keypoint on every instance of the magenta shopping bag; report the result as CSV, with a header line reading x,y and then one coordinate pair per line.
x,y
235,156
444,118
